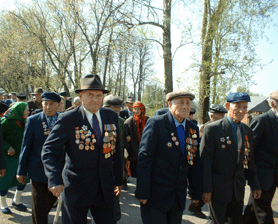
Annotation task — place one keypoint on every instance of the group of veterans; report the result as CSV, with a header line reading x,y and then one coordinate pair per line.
x,y
79,155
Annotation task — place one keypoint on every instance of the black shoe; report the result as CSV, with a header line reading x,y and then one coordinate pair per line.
x,y
200,215
196,210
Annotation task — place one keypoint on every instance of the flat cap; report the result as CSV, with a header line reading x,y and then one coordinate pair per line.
x,y
21,96
111,100
238,97
216,108
179,93
38,91
64,94
130,99
192,110
51,96
13,93
274,95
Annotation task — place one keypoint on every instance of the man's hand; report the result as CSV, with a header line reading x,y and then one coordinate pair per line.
x,y
2,172
11,151
117,190
256,194
57,190
207,197
143,201
195,201
21,178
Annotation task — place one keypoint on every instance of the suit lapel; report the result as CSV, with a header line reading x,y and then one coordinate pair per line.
x,y
274,123
227,130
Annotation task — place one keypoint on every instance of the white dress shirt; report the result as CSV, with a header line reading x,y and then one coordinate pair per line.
x,y
89,116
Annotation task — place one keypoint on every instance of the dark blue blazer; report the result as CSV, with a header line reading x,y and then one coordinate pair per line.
x,y
265,129
84,170
162,171
30,157
222,175
124,114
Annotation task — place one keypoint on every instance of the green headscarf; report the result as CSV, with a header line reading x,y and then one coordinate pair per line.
x,y
15,112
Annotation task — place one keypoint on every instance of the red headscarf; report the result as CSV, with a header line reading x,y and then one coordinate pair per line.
x,y
140,119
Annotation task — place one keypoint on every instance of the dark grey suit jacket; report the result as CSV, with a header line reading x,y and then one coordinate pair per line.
x,y
222,175
265,129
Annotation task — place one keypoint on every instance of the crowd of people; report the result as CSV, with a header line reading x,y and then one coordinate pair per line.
x,y
85,152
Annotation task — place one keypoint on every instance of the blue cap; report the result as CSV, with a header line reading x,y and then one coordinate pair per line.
x,y
238,97
51,96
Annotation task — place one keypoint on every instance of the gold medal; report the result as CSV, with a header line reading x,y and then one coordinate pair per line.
x,y
77,132
105,145
81,147
92,147
94,140
106,156
229,142
109,154
106,133
87,147
223,146
77,136
174,139
83,136
177,143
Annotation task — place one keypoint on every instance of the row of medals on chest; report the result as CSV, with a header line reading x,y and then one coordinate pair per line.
x,y
84,138
46,130
109,140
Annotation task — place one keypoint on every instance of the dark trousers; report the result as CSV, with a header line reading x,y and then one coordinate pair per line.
x,y
102,214
259,211
221,212
42,202
150,215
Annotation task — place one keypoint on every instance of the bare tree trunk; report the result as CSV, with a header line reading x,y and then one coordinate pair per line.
x,y
167,53
204,87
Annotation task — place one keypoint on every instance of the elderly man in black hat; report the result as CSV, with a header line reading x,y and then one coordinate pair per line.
x,y
227,162
93,172
36,131
265,129
65,94
168,160
126,113
35,103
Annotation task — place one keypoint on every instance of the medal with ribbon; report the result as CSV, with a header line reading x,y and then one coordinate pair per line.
x,y
191,146
84,138
109,140
247,151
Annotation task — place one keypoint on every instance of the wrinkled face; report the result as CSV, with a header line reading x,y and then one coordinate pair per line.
x,y
91,99
116,109
26,112
38,97
236,111
180,107
136,111
50,107
216,116
129,106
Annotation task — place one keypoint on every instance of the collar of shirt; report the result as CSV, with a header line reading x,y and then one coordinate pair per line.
x,y
55,117
178,123
89,116
234,126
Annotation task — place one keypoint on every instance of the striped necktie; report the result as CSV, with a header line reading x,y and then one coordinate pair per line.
x,y
96,128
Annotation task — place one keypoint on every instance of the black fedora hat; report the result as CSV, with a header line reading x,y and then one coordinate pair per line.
x,y
91,82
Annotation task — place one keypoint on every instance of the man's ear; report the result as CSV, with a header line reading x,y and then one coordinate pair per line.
x,y
169,103
227,105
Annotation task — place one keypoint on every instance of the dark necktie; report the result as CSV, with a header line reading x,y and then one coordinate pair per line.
x,y
96,128
181,135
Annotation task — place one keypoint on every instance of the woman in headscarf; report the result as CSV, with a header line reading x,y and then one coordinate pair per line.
x,y
133,129
13,123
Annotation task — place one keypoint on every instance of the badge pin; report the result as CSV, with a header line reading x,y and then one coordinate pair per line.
x,y
81,147
229,142
223,146
177,143
169,145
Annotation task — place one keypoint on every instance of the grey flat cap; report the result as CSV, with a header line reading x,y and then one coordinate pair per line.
x,y
111,100
216,108
179,93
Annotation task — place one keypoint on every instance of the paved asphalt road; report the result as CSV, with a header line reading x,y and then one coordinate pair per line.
x,y
129,205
